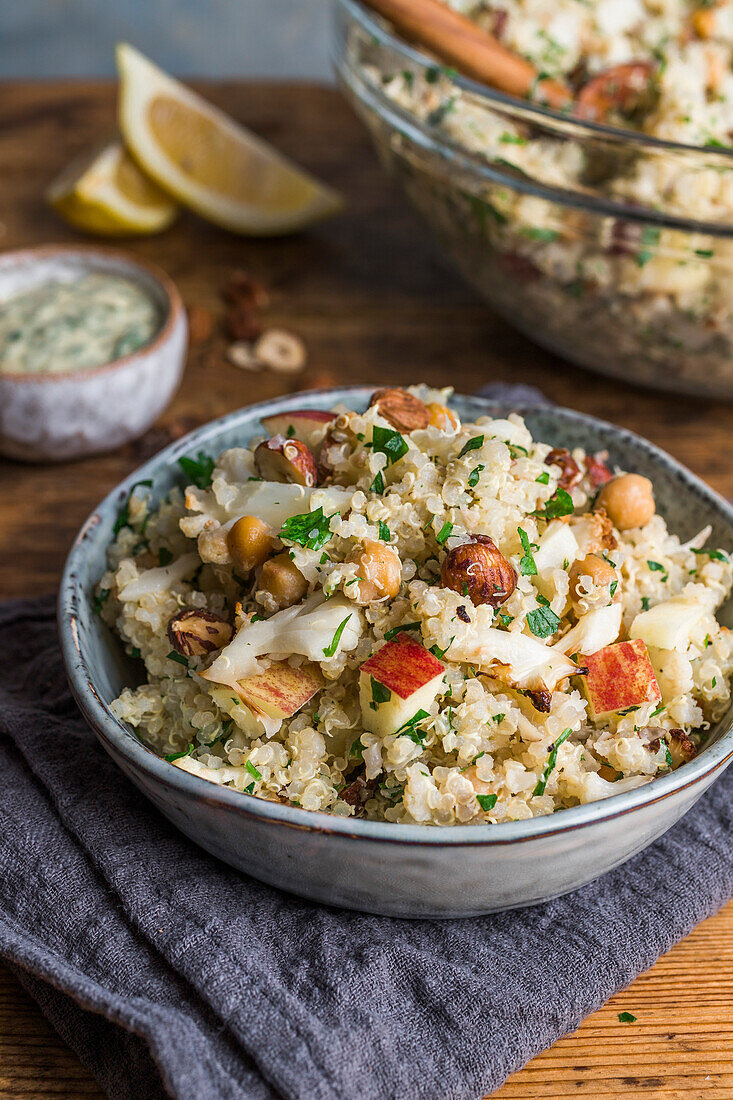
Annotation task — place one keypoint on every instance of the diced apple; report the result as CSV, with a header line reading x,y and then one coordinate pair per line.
x,y
399,680
281,690
619,676
669,624
307,425
556,546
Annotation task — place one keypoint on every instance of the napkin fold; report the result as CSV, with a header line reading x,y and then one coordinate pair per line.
x,y
171,974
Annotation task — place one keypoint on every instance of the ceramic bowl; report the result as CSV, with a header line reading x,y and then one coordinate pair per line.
x,y
377,867
54,417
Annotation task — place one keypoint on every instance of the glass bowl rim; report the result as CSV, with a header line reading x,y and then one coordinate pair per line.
x,y
440,144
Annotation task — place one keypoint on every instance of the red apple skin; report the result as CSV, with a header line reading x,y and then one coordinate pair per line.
x,y
281,691
403,666
620,676
300,424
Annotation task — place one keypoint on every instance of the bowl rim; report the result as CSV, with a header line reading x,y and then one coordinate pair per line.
x,y
438,142
119,740
173,308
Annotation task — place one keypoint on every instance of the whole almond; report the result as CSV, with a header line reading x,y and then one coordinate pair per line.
x,y
400,409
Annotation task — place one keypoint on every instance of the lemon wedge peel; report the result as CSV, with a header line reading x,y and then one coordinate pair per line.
x,y
104,192
210,163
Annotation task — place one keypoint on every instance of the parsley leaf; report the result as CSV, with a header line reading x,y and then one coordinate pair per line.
x,y
100,599
544,478
377,486
177,755
386,441
333,644
200,469
486,801
252,770
614,586
473,444
527,566
626,1018
398,630
656,567
474,476
380,693
356,749
123,518
311,529
443,533
408,727
384,532
440,653
173,656
542,622
714,555
551,761
559,505
645,601
649,238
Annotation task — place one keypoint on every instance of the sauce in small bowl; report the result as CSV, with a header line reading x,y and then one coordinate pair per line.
x,y
92,348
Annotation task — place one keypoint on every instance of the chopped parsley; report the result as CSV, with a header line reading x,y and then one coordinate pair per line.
x,y
512,139
398,630
135,652
377,486
542,622
498,718
311,529
164,556
649,239
614,586
473,444
386,441
657,568
200,469
544,478
474,476
123,517
443,533
408,728
249,767
356,749
668,757
544,235
559,505
626,1018
486,801
384,533
551,761
380,693
657,710
515,450
249,789
173,656
506,619
178,755
100,600
645,601
440,653
333,644
714,555
527,566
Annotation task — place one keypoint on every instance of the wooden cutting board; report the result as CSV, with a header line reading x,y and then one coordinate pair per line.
x,y
375,304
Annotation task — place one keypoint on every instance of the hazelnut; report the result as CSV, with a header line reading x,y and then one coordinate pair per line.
x,y
358,792
283,581
242,323
479,570
280,350
601,572
443,418
249,542
242,289
681,747
288,460
628,500
570,470
622,88
380,572
194,632
400,409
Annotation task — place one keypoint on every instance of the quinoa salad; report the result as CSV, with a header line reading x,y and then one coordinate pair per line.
x,y
395,615
625,294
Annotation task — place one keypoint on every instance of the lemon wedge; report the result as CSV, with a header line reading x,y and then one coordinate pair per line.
x,y
207,161
105,192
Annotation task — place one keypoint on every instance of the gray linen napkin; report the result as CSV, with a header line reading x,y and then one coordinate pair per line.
x,y
168,972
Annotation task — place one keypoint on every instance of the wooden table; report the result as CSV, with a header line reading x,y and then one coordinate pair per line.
x,y
374,304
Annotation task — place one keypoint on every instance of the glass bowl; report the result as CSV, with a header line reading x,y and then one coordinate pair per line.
x,y
579,234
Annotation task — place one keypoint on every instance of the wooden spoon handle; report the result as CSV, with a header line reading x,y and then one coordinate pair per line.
x,y
476,53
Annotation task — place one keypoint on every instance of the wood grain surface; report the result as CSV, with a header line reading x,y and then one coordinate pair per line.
x,y
375,304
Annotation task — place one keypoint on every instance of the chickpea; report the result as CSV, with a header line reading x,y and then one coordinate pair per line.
x,y
380,572
249,542
285,583
442,417
601,572
628,500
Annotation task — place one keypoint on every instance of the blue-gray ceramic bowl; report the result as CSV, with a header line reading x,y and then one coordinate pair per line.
x,y
396,870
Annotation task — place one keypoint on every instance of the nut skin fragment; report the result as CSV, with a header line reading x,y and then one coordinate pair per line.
x,y
443,418
598,569
286,460
380,572
249,542
571,472
359,791
400,409
194,633
623,89
540,700
479,570
598,471
283,581
628,501
682,749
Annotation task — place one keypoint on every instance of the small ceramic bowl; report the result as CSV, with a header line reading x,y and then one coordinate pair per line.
x,y
54,417
379,867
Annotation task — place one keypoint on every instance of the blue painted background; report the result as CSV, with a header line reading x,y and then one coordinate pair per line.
x,y
192,37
